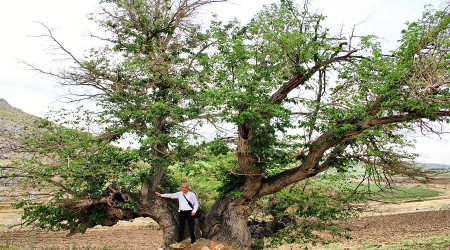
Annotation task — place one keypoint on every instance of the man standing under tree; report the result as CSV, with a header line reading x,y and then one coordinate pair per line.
x,y
187,207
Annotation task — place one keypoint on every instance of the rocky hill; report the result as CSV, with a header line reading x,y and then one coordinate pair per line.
x,y
13,123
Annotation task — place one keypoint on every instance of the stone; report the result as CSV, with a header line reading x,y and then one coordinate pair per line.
x,y
177,246
218,247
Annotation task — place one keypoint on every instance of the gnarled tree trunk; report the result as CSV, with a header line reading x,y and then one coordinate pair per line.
x,y
227,222
165,213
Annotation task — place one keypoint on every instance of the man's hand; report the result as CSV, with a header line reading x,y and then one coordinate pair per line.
x,y
158,194
192,213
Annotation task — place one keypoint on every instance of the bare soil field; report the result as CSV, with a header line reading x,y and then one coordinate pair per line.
x,y
391,228
136,235
388,229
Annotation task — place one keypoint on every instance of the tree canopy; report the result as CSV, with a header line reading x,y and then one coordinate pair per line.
x,y
290,98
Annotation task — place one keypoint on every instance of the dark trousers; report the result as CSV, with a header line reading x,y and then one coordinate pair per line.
x,y
182,217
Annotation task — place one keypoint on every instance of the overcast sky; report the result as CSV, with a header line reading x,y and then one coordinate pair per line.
x,y
34,93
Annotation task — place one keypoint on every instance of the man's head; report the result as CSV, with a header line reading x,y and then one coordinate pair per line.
x,y
184,187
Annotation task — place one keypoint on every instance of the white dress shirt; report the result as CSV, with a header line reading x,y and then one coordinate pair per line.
x,y
183,205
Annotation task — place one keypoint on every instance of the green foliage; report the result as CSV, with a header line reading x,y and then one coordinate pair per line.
x,y
210,176
230,183
84,163
49,216
226,172
144,77
131,205
74,165
308,208
395,82
218,147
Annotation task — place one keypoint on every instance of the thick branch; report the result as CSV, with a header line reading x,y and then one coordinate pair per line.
x,y
301,78
311,167
282,92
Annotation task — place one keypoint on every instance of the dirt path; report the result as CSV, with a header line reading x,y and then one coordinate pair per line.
x,y
441,202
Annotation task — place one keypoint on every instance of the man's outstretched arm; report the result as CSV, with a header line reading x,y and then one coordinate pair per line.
x,y
171,196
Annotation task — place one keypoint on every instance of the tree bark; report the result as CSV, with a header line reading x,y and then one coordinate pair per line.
x,y
227,222
165,213
247,161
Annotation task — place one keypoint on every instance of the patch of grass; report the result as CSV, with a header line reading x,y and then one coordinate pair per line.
x,y
397,194
5,244
17,116
406,194
153,226
435,243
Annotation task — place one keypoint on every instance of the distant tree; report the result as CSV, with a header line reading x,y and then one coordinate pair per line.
x,y
300,99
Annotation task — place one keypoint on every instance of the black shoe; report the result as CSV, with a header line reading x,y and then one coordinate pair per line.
x,y
193,241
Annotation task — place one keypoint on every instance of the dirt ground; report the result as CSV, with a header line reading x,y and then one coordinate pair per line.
x,y
381,224
135,235
142,234
392,228
388,229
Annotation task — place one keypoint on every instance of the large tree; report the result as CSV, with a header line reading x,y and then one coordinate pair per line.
x,y
303,101
300,99
146,85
